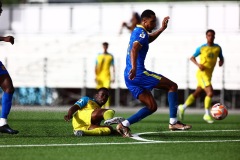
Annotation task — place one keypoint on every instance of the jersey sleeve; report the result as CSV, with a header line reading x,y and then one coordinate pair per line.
x,y
112,62
82,102
140,36
197,52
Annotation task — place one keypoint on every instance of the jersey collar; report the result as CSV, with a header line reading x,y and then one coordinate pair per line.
x,y
140,26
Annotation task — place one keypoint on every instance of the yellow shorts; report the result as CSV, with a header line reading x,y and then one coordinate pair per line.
x,y
82,119
103,83
203,79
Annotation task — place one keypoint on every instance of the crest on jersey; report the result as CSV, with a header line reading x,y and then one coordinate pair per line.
x,y
142,35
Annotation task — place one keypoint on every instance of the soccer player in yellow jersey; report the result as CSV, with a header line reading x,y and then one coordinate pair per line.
x,y
87,114
104,63
208,54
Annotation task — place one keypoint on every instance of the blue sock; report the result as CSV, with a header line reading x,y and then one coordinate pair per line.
x,y
142,113
173,104
6,104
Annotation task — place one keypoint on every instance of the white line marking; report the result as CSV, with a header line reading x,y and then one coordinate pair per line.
x,y
135,136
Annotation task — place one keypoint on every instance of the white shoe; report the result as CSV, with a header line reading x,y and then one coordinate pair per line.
x,y
114,120
78,133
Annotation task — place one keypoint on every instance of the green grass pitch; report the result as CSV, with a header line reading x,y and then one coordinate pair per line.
x,y
45,135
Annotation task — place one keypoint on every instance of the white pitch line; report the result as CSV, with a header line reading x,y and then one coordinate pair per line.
x,y
135,136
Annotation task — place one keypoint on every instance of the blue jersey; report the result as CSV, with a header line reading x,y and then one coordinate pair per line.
x,y
140,35
2,69
144,80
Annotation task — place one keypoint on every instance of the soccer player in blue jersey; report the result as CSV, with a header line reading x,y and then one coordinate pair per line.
x,y
8,90
141,81
87,114
208,54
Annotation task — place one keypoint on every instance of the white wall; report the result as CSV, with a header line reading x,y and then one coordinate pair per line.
x,y
70,42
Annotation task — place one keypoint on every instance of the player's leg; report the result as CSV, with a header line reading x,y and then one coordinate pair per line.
x,y
190,100
8,90
151,106
207,103
107,84
172,89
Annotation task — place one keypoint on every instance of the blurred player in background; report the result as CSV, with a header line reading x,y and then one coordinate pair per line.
x,y
208,53
87,114
8,90
141,81
136,19
105,70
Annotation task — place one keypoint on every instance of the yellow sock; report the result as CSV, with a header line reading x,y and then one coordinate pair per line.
x,y
108,114
207,102
101,131
189,100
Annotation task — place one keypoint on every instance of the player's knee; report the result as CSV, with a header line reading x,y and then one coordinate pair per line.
x,y
153,108
173,87
10,89
210,94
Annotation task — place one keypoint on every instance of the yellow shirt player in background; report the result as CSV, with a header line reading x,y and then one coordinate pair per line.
x,y
104,74
208,54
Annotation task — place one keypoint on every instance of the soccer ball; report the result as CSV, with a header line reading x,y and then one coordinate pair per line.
x,y
219,111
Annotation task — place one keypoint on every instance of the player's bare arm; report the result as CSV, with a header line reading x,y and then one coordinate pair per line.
x,y
71,111
7,39
134,54
200,66
155,34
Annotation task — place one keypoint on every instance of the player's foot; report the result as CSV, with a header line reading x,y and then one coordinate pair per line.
x,y
208,118
6,129
181,112
124,131
179,126
114,120
78,133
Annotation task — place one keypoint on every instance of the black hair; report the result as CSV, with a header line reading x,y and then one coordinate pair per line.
x,y
105,43
102,89
147,14
210,30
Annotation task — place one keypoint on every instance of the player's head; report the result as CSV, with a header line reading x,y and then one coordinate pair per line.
x,y
148,20
105,45
102,96
1,8
210,35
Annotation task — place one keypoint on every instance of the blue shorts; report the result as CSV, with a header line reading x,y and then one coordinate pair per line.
x,y
147,80
2,69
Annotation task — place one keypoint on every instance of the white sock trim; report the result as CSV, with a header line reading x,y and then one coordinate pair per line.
x,y
173,120
126,123
3,121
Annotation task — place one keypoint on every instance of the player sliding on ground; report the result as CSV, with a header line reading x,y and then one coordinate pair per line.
x,y
87,114
141,81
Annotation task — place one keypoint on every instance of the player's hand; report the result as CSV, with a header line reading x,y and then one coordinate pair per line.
x,y
9,39
67,118
132,74
220,63
201,67
165,22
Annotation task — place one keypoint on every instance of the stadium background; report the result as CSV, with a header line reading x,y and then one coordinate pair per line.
x,y
52,61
